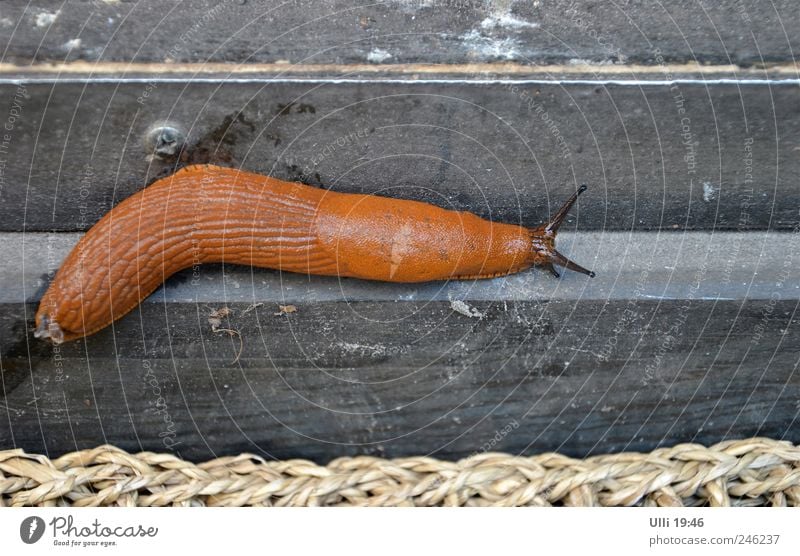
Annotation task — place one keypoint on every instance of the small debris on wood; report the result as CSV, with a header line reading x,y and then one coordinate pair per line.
x,y
216,316
462,308
286,309
215,320
251,307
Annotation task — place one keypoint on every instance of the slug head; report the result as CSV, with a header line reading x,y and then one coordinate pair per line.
x,y
543,241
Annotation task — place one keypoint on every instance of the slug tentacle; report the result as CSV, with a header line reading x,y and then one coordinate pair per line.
x,y
552,269
562,213
543,241
561,260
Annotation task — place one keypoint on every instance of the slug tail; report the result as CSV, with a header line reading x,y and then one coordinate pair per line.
x,y
49,330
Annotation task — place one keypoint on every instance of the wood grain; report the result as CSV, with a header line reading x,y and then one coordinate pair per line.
x,y
438,31
464,145
407,378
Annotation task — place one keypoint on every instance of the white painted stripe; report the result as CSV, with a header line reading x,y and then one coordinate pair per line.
x,y
393,81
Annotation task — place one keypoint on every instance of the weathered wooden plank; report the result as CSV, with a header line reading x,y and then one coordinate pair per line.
x,y
646,265
693,154
683,336
337,378
398,31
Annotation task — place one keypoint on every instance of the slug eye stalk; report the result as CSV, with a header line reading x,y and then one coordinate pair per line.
x,y
552,256
562,213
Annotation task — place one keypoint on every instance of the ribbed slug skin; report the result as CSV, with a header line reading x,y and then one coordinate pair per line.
x,y
205,214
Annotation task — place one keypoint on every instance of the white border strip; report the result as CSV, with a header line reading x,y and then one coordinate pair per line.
x,y
346,81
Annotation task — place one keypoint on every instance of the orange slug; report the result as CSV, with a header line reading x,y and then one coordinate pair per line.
x,y
204,214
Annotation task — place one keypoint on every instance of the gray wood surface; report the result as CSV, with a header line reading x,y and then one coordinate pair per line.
x,y
689,332
402,31
401,378
687,336
721,156
336,378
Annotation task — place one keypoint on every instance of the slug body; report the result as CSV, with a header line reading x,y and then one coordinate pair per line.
x,y
204,214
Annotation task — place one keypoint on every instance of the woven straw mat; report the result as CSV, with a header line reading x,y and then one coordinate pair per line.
x,y
750,472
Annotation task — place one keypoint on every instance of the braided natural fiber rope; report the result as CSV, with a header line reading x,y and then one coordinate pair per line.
x,y
756,471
